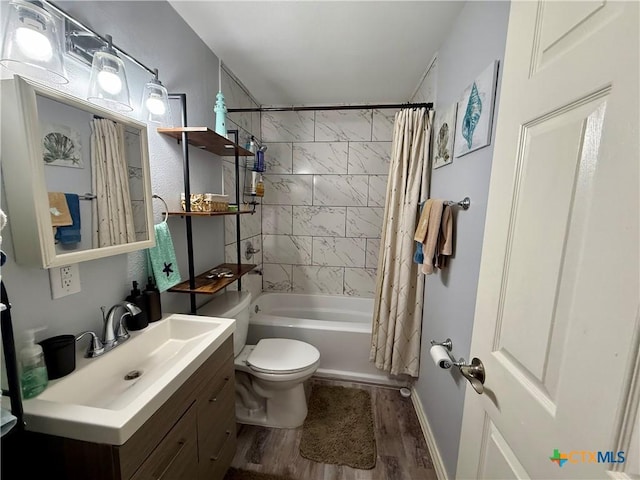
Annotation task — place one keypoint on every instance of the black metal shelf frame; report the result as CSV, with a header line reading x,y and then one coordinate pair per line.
x,y
182,97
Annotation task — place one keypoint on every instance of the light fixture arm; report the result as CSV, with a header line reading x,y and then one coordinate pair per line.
x,y
106,39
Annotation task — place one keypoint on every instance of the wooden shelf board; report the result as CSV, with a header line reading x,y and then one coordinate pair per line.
x,y
207,139
207,214
209,286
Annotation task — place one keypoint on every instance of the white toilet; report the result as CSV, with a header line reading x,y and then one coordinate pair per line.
x,y
269,375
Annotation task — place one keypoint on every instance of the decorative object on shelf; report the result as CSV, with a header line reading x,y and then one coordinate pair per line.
x,y
108,85
31,45
61,146
220,108
475,112
445,125
155,102
215,202
220,272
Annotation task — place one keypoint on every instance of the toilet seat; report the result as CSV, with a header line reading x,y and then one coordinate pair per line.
x,y
282,356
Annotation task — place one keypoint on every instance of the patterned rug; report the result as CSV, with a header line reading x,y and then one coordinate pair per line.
x,y
339,428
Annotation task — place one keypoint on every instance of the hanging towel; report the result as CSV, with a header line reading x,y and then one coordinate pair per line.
x,y
445,240
418,256
427,232
7,421
70,235
162,259
59,209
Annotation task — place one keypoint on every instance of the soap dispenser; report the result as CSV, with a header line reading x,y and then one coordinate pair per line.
x,y
33,377
141,320
152,296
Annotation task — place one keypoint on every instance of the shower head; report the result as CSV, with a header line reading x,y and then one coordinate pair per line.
x,y
263,148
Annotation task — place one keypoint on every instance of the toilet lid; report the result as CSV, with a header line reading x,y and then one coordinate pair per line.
x,y
280,355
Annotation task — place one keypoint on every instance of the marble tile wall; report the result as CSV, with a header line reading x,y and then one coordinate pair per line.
x,y
247,124
325,189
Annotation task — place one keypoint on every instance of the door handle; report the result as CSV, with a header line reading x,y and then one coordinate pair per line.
x,y
474,372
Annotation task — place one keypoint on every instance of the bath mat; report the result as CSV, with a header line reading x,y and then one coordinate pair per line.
x,y
339,428
235,474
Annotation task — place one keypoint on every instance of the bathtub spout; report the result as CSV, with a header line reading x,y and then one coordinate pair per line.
x,y
248,398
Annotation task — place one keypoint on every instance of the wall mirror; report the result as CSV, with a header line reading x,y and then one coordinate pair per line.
x,y
76,177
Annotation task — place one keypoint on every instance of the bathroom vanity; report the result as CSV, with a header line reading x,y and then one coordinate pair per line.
x,y
190,435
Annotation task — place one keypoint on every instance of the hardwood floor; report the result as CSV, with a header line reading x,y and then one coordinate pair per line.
x,y
401,450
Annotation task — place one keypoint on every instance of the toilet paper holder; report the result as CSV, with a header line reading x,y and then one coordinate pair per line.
x,y
474,372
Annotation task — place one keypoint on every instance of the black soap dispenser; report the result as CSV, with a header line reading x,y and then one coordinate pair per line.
x,y
140,321
152,296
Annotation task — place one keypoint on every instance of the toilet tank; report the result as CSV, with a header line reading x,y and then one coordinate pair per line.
x,y
231,305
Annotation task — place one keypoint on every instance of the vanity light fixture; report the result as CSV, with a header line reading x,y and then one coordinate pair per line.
x,y
31,46
155,102
108,82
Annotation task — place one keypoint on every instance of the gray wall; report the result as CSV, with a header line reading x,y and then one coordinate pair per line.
x,y
477,38
155,34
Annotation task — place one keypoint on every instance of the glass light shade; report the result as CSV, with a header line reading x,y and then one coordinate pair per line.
x,y
155,103
31,45
108,85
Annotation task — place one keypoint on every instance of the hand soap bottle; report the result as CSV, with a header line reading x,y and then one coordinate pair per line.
x,y
152,296
33,377
141,320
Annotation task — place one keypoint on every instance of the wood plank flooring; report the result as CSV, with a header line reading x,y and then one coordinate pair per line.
x,y
401,450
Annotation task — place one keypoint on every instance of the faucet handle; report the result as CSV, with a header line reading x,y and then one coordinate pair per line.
x,y
121,332
95,347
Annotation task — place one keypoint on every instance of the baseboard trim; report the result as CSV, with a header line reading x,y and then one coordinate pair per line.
x,y
438,464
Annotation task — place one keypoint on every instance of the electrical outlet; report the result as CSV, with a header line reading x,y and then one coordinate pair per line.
x,y
64,280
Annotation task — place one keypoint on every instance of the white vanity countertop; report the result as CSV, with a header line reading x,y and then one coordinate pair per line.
x,y
94,403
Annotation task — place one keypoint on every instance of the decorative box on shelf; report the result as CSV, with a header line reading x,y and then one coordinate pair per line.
x,y
207,202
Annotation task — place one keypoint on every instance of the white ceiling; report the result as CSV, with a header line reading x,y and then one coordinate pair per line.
x,y
308,52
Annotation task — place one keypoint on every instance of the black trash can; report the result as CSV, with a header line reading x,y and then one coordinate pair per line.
x,y
59,355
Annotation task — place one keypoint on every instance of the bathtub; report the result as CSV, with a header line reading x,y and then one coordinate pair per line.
x,y
339,327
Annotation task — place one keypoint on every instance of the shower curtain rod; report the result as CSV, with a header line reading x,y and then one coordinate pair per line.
x,y
428,106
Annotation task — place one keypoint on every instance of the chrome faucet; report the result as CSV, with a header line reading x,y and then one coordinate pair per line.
x,y
114,331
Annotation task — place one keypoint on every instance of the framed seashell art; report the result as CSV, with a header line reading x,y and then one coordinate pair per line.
x,y
475,112
445,124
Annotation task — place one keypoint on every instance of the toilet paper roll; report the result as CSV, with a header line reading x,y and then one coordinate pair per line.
x,y
440,356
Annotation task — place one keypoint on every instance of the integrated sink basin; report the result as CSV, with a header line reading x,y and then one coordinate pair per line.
x,y
106,399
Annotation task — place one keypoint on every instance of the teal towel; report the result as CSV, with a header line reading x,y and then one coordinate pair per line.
x,y
162,259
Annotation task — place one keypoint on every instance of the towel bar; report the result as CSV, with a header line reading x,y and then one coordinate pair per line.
x,y
465,203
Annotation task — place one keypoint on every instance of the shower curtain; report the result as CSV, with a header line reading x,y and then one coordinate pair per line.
x,y
112,219
397,317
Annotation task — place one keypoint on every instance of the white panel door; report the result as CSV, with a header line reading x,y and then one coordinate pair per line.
x,y
556,321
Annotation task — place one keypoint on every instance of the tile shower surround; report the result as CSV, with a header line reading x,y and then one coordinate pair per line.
x,y
325,189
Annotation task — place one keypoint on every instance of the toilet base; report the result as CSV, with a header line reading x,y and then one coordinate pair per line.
x,y
283,409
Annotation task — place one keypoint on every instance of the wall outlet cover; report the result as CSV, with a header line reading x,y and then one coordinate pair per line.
x,y
64,280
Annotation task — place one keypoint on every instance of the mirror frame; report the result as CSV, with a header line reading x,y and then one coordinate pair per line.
x,y
24,176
